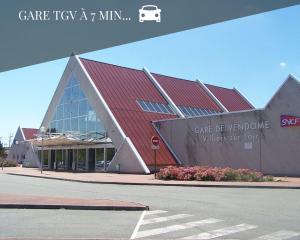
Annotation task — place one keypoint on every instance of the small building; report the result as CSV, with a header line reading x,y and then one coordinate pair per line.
x,y
22,151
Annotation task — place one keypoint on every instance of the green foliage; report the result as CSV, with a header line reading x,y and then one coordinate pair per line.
x,y
2,151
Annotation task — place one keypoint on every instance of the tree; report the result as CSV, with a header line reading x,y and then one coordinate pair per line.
x,y
2,151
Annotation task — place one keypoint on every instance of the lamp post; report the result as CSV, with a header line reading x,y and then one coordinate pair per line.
x,y
42,130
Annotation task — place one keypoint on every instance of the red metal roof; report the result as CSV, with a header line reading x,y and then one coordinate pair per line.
x,y
230,98
29,133
121,88
186,92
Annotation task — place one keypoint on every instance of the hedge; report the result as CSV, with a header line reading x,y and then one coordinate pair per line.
x,y
200,173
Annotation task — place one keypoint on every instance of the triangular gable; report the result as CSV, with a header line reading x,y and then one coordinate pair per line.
x,y
291,85
19,135
95,99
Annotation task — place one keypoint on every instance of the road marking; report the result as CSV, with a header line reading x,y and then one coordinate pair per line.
x,y
281,235
137,227
222,232
157,231
164,219
155,212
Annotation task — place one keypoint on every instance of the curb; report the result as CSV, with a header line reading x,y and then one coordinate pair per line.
x,y
161,184
73,207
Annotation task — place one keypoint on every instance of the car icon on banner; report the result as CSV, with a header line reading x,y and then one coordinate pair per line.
x,y
149,13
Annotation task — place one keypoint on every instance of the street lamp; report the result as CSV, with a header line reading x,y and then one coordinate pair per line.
x,y
42,130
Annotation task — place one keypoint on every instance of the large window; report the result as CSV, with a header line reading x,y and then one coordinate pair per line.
x,y
81,161
155,107
99,159
60,159
74,113
195,112
110,152
46,157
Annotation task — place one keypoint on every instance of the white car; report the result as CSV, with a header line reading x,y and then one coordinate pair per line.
x,y
149,13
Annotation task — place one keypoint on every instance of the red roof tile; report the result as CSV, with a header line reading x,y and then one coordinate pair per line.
x,y
121,88
230,98
29,133
186,93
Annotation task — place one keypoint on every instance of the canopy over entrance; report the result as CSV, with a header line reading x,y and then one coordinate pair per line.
x,y
70,139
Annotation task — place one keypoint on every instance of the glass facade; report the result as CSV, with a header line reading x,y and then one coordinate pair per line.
x,y
80,159
74,113
75,116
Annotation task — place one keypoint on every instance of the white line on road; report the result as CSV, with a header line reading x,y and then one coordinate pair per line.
x,y
222,232
155,212
157,231
137,227
281,235
164,219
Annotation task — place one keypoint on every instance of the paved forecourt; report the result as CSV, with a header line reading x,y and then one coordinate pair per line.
x,y
134,179
175,212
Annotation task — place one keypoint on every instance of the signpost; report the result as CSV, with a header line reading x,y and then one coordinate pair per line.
x,y
155,147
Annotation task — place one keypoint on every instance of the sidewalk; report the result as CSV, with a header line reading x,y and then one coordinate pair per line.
x,y
134,179
42,202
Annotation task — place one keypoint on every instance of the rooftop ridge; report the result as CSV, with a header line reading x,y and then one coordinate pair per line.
x,y
115,65
212,85
131,68
178,78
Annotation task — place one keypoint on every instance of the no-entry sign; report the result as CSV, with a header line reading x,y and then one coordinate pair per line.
x,y
155,141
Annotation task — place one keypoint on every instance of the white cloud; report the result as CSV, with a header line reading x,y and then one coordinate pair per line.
x,y
283,64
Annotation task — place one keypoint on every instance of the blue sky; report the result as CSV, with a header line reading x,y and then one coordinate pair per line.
x,y
253,54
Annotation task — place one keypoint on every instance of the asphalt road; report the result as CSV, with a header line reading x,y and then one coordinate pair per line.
x,y
175,212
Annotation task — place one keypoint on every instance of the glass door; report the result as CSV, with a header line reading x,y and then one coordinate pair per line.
x,y
91,159
99,160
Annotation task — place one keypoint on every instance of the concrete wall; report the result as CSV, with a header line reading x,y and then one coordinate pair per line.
x,y
248,139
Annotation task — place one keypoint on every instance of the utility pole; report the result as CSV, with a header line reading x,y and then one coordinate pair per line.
x,y
9,140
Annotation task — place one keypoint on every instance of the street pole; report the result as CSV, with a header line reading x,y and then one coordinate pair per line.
x,y
155,163
43,130
155,147
42,158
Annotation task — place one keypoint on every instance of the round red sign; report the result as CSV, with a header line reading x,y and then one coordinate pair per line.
x,y
155,141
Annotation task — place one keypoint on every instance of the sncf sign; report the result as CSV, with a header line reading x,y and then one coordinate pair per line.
x,y
289,121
